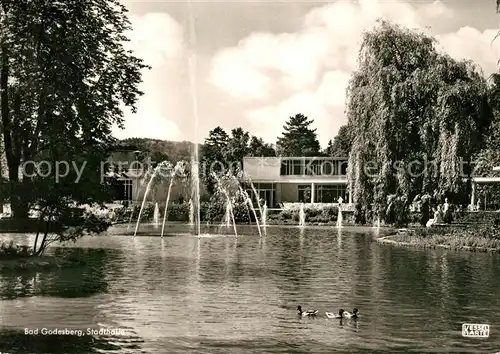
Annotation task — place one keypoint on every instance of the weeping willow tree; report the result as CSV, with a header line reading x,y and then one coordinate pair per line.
x,y
489,156
417,117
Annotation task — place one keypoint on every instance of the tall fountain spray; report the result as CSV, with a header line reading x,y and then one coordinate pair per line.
x,y
339,215
191,212
227,221
249,203
302,216
173,175
195,168
133,206
229,206
255,193
156,216
264,217
166,205
146,192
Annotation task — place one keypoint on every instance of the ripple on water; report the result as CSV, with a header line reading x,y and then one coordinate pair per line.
x,y
231,295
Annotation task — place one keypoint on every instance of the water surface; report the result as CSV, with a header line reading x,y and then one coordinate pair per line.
x,y
238,295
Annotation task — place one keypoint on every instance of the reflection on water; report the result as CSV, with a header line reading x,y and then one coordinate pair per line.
x,y
229,295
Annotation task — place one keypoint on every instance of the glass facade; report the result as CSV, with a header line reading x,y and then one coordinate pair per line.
x,y
266,191
292,167
127,186
313,167
304,193
329,193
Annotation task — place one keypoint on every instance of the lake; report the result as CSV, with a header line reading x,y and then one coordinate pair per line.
x,y
221,294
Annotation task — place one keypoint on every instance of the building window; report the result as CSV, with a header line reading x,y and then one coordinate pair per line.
x,y
313,167
325,167
329,193
266,191
127,186
292,167
304,191
343,167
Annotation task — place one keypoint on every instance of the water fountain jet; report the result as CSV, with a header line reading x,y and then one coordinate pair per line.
x,y
249,203
156,216
146,192
302,216
256,194
195,158
231,213
191,212
179,167
340,218
264,217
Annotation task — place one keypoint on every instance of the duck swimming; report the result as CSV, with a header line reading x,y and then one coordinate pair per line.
x,y
354,314
307,312
333,315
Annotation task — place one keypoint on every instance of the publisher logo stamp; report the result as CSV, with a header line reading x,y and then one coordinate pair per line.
x,y
475,330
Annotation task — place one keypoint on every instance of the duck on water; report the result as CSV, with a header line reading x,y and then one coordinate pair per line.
x,y
307,313
347,314
342,313
333,315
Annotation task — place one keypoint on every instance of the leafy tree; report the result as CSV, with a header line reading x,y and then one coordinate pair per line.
x,y
489,156
3,184
221,153
65,77
64,74
213,156
409,103
341,145
298,138
238,146
260,149
160,150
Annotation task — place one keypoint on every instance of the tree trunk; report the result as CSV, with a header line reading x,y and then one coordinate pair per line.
x,y
2,171
44,239
18,194
12,150
40,218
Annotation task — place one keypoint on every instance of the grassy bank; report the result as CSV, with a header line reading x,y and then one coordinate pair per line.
x,y
484,238
19,258
36,263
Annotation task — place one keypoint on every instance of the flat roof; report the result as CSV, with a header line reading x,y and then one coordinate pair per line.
x,y
298,157
302,181
486,179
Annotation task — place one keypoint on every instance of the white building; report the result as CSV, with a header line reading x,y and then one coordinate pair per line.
x,y
482,181
298,179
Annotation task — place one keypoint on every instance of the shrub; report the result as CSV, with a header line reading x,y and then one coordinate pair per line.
x,y
123,214
287,215
312,212
482,238
212,211
9,250
330,212
177,212
242,214
481,217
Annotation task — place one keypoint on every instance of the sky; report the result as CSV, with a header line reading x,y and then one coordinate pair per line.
x,y
253,64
